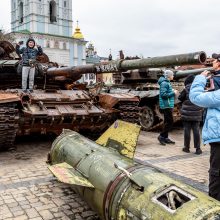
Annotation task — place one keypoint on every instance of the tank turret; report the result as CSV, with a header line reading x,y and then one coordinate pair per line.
x,y
142,83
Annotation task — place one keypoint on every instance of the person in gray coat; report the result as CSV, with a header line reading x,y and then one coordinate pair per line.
x,y
29,55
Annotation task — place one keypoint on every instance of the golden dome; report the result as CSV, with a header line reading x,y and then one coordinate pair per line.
x,y
78,34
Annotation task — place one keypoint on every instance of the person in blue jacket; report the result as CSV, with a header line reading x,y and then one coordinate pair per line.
x,y
29,55
166,102
211,128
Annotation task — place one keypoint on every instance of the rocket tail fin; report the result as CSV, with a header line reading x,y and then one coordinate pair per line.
x,y
67,174
122,136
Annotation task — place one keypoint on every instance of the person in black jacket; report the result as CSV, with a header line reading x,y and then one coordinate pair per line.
x,y
191,115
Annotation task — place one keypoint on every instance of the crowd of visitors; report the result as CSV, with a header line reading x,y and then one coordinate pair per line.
x,y
198,103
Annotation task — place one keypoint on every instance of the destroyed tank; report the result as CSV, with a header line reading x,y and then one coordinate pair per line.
x,y
142,83
50,108
56,103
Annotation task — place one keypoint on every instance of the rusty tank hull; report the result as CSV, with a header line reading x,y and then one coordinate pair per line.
x,y
49,108
46,112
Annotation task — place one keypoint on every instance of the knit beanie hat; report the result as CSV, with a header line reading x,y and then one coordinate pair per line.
x,y
216,56
30,39
168,73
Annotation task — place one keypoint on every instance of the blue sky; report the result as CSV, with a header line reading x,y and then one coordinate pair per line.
x,y
144,27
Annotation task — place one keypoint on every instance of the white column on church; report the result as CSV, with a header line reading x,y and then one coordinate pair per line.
x,y
84,54
35,16
75,53
46,16
60,16
31,14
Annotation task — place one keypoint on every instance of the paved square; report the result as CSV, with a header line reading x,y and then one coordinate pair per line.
x,y
29,191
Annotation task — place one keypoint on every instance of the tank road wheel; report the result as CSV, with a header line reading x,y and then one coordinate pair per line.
x,y
146,117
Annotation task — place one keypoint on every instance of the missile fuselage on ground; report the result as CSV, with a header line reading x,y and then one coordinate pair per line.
x,y
118,188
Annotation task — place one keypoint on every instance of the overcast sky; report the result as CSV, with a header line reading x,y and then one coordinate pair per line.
x,y
144,27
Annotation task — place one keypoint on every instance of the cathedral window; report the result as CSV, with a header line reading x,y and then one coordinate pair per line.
x,y
65,4
21,12
48,44
53,11
64,45
56,44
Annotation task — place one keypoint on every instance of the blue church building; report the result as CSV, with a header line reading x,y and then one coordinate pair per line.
x,y
50,23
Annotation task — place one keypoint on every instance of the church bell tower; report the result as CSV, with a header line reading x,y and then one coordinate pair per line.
x,y
42,16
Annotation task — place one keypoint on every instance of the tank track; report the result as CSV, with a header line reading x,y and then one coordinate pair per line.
x,y
159,120
8,127
129,112
159,124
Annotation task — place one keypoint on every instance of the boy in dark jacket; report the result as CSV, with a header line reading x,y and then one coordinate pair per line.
x,y
29,55
191,115
166,102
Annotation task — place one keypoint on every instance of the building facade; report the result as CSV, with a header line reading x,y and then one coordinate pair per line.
x,y
92,58
50,23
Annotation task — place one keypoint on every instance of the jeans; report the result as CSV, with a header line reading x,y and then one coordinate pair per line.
x,y
194,125
168,122
28,72
214,171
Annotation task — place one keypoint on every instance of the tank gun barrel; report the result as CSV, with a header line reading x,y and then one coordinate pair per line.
x,y
152,75
183,73
75,72
165,61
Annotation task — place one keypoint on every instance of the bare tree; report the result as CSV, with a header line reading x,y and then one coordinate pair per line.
x,y
7,49
6,36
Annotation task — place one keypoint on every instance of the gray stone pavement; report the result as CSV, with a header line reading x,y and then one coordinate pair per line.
x,y
187,167
29,191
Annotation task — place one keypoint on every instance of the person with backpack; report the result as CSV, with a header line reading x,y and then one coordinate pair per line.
x,y
191,116
29,55
211,128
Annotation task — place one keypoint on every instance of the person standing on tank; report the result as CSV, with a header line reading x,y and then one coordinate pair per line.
x,y
29,55
166,102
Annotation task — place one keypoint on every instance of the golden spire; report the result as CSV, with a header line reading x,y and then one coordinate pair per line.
x,y
78,34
